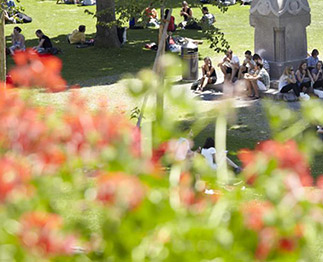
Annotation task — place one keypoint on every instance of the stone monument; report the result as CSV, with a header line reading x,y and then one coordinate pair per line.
x,y
280,32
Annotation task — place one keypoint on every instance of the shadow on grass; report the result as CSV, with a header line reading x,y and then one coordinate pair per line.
x,y
99,66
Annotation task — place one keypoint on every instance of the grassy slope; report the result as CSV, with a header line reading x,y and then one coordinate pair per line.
x,y
83,64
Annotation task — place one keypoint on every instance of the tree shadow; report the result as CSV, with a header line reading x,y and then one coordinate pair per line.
x,y
99,66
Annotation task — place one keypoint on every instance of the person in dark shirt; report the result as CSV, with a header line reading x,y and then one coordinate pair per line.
x,y
45,45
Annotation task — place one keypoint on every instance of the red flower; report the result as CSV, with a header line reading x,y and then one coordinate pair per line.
x,y
40,232
287,155
254,212
33,70
14,177
120,189
287,244
267,241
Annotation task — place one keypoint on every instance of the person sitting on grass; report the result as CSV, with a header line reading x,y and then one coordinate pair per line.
x,y
77,36
317,75
207,18
208,74
247,66
230,66
259,80
186,13
171,25
208,151
313,59
18,41
288,82
304,78
45,45
151,16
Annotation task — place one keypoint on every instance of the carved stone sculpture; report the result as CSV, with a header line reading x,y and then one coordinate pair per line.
x,y
280,32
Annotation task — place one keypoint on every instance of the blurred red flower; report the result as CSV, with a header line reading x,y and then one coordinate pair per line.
x,y
41,233
14,177
254,213
266,242
287,244
287,155
120,189
34,70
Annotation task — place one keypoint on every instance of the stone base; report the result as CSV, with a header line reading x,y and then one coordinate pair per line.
x,y
277,68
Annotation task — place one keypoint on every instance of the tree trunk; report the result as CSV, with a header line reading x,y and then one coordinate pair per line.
x,y
106,30
2,49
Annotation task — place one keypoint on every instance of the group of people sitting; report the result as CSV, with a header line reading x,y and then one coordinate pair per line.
x,y
45,45
254,71
306,79
150,19
18,42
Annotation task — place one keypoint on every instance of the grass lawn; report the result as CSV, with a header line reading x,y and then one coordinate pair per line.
x,y
58,20
88,66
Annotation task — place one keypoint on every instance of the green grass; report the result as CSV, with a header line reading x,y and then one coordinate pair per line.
x,y
89,66
58,20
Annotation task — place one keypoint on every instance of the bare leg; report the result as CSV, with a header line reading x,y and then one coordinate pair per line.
x,y
255,88
202,83
250,93
234,72
241,70
206,81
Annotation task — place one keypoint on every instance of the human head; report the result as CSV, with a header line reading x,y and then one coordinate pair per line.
x,y
184,4
247,54
17,29
315,53
209,142
39,33
259,65
256,57
288,70
82,28
229,53
319,65
166,13
205,10
207,60
302,66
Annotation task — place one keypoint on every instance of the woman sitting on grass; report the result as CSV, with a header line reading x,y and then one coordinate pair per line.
x,y
209,74
304,78
209,153
288,82
18,41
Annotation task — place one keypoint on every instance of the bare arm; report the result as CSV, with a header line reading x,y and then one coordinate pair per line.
x,y
310,76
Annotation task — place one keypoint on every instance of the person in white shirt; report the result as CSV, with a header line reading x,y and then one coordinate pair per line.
x,y
288,82
247,66
230,66
209,152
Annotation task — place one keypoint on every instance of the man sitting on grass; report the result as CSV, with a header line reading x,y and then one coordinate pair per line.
x,y
78,36
45,45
